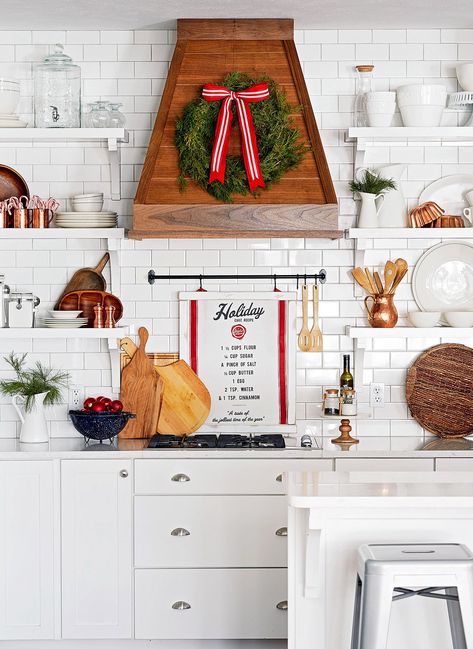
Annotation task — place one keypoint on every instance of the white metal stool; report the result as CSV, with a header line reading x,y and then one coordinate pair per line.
x,y
389,572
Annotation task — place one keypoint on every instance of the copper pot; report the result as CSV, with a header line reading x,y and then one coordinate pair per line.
x,y
383,313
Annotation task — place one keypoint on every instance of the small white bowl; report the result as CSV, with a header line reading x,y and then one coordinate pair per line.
x,y
380,106
87,197
421,115
459,318
65,315
418,94
389,96
465,76
380,119
424,319
90,206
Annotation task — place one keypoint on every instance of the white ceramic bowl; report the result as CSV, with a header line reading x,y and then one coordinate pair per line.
x,y
65,315
9,98
381,96
424,318
87,197
459,318
417,94
380,106
421,115
90,206
380,119
465,76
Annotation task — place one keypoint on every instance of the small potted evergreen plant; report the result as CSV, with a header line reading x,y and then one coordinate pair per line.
x,y
371,187
33,388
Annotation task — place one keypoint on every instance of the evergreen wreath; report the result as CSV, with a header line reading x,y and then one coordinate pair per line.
x,y
279,144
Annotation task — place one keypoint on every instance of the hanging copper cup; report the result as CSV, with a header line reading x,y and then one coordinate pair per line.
x,y
40,217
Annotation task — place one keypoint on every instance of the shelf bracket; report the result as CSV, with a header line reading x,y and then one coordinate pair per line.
x,y
115,175
360,248
113,246
114,351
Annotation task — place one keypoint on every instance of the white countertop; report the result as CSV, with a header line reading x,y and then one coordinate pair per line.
x,y
369,447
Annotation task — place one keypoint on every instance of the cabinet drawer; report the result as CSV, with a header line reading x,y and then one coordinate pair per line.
x,y
219,476
210,604
210,531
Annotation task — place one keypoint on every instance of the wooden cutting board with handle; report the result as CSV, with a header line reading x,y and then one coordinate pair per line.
x,y
186,400
87,279
141,392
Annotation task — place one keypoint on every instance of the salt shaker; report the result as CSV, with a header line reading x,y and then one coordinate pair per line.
x,y
98,320
110,319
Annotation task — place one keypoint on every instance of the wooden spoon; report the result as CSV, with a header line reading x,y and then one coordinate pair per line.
x,y
379,283
399,277
371,281
390,272
360,277
316,340
304,334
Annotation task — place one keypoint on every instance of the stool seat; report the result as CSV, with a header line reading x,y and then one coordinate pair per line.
x,y
388,572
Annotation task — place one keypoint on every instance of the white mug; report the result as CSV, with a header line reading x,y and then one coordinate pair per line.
x,y
469,197
467,212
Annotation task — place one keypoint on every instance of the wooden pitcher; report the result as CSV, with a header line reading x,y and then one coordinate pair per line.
x,y
382,313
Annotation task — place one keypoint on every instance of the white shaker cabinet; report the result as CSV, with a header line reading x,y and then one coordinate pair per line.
x,y
26,550
96,548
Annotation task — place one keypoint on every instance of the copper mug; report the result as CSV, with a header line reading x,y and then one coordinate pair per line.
x,y
4,217
383,313
41,218
21,217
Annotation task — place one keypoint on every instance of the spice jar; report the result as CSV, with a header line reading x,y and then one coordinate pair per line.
x,y
57,84
348,403
331,402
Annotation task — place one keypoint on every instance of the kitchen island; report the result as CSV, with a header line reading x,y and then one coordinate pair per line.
x,y
332,514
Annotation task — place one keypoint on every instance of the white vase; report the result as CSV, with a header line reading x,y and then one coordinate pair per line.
x,y
393,212
370,207
34,427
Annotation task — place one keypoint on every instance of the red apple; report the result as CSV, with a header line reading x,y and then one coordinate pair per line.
x,y
101,398
98,407
116,406
106,402
88,403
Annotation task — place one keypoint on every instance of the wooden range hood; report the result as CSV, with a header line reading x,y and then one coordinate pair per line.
x,y
302,204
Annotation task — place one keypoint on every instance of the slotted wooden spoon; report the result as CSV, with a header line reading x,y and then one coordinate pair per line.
x,y
390,272
304,335
316,339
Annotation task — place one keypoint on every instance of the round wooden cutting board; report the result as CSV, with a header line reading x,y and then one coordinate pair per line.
x,y
439,390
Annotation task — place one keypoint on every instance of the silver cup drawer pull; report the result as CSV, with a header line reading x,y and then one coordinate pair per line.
x,y
282,531
123,473
282,606
180,531
180,477
181,606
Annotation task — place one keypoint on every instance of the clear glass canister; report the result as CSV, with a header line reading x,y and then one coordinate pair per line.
x,y
365,83
348,403
331,403
57,87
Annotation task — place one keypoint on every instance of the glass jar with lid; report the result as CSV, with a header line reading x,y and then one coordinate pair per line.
x,y
99,116
117,118
348,404
365,84
57,88
331,404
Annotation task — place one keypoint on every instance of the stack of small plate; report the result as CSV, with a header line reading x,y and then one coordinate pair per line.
x,y
86,220
64,320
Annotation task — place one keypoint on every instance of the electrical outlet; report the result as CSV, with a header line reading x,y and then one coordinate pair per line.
x,y
377,395
76,397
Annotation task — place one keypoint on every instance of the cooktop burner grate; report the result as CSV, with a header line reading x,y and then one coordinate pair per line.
x,y
220,442
173,441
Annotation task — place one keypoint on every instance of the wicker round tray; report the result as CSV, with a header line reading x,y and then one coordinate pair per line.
x,y
439,390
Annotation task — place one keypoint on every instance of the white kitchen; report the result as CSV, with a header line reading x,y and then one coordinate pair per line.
x,y
236,325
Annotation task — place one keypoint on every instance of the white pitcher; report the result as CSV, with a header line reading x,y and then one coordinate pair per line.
x,y
370,207
34,427
393,212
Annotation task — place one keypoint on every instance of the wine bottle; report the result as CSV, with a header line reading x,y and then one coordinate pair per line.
x,y
346,377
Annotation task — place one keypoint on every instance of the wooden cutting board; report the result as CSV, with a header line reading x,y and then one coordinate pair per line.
x,y
87,279
439,390
141,393
86,300
186,400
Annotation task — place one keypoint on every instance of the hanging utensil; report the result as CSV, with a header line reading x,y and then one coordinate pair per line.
x,y
304,335
390,272
360,277
316,339
379,283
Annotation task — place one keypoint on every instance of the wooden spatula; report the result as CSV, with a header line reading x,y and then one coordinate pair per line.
x,y
304,335
371,281
360,277
390,272
141,393
379,283
316,339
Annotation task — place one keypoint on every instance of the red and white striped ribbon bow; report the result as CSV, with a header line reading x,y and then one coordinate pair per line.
x,y
257,92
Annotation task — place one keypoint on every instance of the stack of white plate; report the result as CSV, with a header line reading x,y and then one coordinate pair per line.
x,y
11,121
86,220
64,323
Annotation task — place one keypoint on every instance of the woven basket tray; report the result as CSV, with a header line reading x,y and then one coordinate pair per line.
x,y
439,390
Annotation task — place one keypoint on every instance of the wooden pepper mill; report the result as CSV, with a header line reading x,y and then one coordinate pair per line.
x,y
345,437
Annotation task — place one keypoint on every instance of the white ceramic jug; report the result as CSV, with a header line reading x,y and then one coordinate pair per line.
x,y
393,212
34,427
371,205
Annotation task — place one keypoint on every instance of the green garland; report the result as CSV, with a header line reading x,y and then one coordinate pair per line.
x,y
279,144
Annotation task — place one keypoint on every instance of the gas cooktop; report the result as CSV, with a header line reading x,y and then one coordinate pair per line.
x,y
218,441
